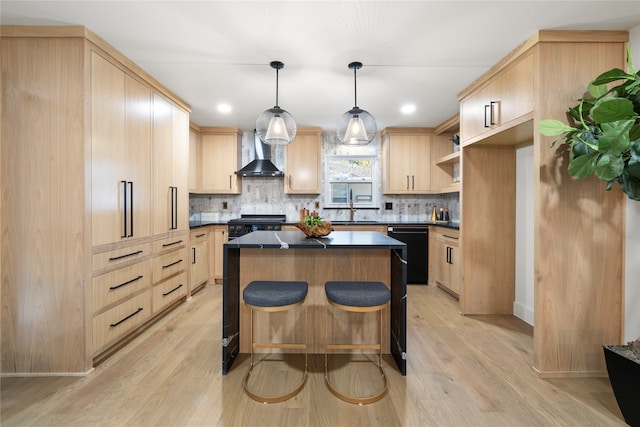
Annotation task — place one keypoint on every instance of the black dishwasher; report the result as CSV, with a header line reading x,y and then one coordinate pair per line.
x,y
417,239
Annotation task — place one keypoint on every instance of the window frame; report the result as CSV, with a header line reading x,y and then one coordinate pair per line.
x,y
373,181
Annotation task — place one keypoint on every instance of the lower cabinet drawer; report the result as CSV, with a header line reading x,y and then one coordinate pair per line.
x,y
116,285
114,324
169,291
169,264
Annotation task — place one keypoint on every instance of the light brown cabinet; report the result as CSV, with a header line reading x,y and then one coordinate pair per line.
x,y
170,164
87,133
120,154
199,268
219,158
446,263
406,157
302,162
504,98
195,174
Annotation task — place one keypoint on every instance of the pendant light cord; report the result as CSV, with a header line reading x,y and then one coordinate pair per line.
x,y
355,88
277,70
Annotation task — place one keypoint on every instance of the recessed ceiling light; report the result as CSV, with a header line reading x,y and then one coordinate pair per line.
x,y
224,108
408,109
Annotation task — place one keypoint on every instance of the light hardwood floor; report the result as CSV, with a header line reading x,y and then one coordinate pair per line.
x,y
462,371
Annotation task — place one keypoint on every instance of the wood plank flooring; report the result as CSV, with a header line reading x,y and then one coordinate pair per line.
x,y
462,371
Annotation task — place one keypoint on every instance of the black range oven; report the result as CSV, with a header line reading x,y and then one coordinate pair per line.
x,y
252,222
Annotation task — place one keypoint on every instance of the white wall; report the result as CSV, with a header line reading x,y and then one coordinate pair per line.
x,y
632,249
523,304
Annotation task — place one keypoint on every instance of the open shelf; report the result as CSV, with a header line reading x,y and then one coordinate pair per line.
x,y
449,159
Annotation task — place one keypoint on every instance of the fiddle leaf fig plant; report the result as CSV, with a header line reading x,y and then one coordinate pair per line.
x,y
603,131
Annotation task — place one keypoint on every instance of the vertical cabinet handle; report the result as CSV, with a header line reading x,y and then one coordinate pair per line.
x,y
193,255
407,182
449,255
130,209
486,107
413,182
124,208
491,115
174,208
127,209
229,182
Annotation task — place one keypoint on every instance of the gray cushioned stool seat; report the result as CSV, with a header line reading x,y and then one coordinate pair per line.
x,y
274,293
357,294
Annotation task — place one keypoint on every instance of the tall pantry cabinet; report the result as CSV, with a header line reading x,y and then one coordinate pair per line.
x,y
79,219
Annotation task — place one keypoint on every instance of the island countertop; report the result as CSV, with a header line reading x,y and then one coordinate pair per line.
x,y
297,239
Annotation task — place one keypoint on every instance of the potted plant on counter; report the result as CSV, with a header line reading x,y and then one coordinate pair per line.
x,y
603,139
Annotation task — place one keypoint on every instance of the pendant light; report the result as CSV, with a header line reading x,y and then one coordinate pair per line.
x,y
356,126
276,126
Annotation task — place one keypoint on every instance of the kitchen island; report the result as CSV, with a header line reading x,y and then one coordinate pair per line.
x,y
290,255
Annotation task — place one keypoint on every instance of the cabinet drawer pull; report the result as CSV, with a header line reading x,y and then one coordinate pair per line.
x,y
125,255
113,325
171,291
173,263
200,235
111,288
164,245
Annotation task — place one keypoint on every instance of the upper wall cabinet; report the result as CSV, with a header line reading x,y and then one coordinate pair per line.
x,y
219,157
302,162
408,156
499,102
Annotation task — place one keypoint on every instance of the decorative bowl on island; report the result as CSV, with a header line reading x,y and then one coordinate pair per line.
x,y
314,227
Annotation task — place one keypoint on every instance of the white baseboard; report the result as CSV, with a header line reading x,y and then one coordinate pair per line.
x,y
523,312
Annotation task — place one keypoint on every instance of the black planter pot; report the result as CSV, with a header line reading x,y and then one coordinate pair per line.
x,y
624,375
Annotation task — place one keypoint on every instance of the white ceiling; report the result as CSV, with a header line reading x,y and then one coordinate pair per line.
x,y
414,52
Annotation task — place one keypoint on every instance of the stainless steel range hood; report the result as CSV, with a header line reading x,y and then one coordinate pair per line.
x,y
261,166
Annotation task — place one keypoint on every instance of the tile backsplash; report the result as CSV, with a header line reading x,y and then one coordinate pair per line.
x,y
266,195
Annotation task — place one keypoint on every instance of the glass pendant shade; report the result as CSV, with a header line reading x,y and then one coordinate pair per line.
x,y
356,127
276,126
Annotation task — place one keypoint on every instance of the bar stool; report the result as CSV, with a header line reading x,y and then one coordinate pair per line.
x,y
356,297
275,296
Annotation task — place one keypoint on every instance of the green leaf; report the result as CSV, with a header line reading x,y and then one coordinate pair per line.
x,y
631,186
608,167
597,90
611,76
634,149
608,110
582,166
633,168
552,127
634,132
615,138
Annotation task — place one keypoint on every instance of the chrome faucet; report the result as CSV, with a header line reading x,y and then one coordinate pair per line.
x,y
352,210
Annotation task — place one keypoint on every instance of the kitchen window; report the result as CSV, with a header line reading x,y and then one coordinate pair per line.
x,y
350,178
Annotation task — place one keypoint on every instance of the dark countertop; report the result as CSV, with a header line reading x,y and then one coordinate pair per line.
x,y
296,239
452,225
